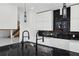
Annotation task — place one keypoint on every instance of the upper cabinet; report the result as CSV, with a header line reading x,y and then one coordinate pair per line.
x,y
74,22
8,16
45,21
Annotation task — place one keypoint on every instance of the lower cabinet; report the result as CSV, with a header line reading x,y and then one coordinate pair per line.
x,y
51,51
74,54
60,52
44,51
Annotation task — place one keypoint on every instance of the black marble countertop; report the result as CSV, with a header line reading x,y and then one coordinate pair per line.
x,y
29,49
17,50
58,34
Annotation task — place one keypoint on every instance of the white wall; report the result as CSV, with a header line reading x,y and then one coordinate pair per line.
x,y
23,25
29,25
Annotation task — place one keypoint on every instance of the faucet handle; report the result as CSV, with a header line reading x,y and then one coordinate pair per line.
x,y
43,39
28,37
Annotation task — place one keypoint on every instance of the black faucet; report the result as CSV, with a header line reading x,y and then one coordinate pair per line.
x,y
25,36
22,42
37,42
39,38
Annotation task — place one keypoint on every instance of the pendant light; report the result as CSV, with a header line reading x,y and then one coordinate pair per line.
x,y
64,11
25,16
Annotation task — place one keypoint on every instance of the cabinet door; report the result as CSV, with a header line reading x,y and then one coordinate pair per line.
x,y
60,52
45,21
74,22
8,16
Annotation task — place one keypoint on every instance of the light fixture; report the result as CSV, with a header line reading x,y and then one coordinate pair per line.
x,y
25,16
64,11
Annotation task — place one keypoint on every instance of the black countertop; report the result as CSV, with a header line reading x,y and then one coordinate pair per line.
x,y
30,50
58,34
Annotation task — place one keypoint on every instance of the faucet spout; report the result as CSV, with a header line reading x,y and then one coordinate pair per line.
x,y
28,36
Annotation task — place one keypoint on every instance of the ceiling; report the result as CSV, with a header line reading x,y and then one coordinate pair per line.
x,y
38,7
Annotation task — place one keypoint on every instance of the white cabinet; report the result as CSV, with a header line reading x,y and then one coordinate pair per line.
x,y
45,21
74,22
8,16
